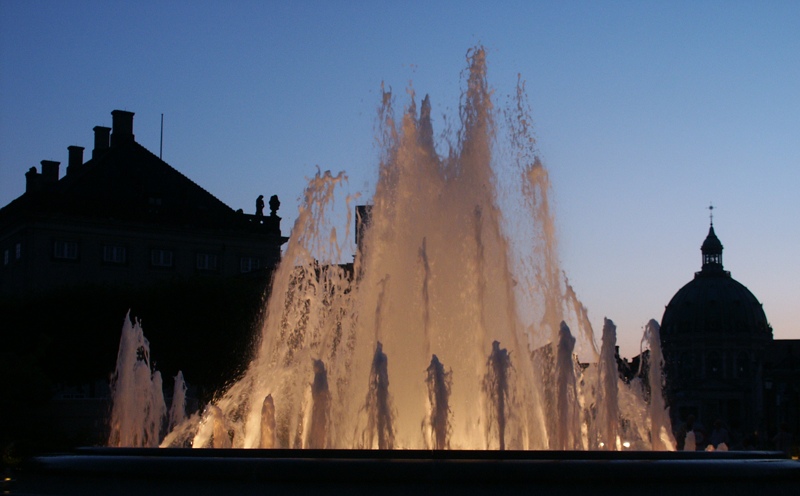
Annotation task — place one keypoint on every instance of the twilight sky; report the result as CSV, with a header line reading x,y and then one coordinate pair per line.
x,y
645,112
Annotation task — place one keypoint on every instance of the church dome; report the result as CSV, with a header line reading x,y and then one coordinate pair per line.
x,y
713,302
714,335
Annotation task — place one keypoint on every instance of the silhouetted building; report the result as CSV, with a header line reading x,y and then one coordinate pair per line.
x,y
782,392
363,218
717,343
121,231
125,217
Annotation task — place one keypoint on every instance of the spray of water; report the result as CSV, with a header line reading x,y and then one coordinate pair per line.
x,y
499,393
268,428
438,423
459,255
378,406
177,411
568,437
138,408
320,409
607,397
660,426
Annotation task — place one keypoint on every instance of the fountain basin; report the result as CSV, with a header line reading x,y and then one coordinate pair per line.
x,y
234,471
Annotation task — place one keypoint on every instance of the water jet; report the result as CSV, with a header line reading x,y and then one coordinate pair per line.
x,y
458,261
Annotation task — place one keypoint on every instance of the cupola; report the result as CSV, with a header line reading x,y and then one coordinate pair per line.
x,y
712,251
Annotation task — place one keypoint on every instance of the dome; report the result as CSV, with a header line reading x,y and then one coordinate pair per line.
x,y
713,302
714,335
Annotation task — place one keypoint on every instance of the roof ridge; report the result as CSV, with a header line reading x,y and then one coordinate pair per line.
x,y
182,174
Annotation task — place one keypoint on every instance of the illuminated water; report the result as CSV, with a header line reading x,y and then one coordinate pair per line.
x,y
455,327
138,408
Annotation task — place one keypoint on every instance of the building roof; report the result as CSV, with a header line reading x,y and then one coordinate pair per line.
x,y
124,182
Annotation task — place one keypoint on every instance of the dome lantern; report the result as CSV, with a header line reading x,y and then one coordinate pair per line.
x,y
712,252
712,247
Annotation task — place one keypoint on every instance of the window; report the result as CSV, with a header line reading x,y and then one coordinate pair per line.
x,y
249,264
65,250
161,258
6,256
18,251
207,261
115,254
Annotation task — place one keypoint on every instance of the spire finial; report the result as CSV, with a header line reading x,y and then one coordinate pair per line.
x,y
711,213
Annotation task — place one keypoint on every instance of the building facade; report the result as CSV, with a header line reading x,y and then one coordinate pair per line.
x,y
722,366
715,336
125,217
120,233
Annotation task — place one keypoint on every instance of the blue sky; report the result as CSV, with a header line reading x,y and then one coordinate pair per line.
x,y
644,112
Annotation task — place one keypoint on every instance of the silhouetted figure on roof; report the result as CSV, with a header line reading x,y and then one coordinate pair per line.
x,y
274,205
260,206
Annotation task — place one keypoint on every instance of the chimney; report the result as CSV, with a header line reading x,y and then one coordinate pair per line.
x,y
100,140
32,181
122,123
50,171
75,158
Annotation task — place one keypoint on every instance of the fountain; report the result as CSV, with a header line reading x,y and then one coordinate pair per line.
x,y
451,328
138,407
445,352
438,381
